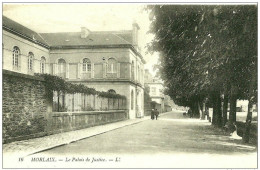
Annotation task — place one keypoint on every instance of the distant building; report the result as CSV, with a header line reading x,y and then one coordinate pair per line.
x,y
107,61
156,89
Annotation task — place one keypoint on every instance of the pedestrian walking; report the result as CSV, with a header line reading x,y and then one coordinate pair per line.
x,y
152,114
156,114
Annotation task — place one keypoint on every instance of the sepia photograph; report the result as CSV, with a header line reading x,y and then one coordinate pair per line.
x,y
129,85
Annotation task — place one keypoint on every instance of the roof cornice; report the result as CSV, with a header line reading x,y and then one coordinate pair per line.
x,y
25,37
77,46
106,80
100,46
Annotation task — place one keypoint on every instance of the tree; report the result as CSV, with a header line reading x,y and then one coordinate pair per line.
x,y
206,51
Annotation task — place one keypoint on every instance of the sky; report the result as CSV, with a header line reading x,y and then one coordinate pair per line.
x,y
62,17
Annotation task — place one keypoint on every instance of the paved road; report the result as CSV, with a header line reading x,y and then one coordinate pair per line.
x,y
172,141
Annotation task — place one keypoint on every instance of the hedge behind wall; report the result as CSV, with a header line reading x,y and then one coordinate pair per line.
x,y
27,99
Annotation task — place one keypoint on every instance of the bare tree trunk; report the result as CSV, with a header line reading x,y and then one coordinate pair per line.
x,y
233,105
225,107
217,115
214,115
248,122
219,112
246,135
195,110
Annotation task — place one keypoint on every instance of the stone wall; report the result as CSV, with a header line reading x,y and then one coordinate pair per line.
x,y
24,104
58,122
27,113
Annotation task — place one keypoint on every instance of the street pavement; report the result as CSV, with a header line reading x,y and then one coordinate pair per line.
x,y
172,141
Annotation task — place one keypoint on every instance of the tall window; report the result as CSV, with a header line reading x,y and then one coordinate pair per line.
x,y
132,100
62,68
16,57
30,61
42,65
111,67
86,65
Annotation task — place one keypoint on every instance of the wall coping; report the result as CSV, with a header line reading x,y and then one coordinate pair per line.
x,y
16,74
117,80
85,113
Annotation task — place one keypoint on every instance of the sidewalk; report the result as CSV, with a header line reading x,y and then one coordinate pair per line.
x,y
24,148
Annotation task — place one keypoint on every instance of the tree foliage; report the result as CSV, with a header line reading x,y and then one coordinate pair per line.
x,y
55,83
205,49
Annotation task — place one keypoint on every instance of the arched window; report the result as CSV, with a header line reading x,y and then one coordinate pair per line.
x,y
132,70
112,91
86,65
42,65
16,57
62,68
132,100
111,65
30,61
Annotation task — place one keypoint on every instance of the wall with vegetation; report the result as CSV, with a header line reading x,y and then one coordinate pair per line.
x,y
30,106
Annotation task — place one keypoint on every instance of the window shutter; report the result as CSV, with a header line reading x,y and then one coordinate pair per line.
x,y
46,68
92,70
19,61
67,70
33,65
104,70
79,70
54,69
118,70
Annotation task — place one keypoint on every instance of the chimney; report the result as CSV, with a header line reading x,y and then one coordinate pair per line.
x,y
135,28
84,32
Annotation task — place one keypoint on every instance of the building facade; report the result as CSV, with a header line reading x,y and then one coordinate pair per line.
x,y
156,89
107,61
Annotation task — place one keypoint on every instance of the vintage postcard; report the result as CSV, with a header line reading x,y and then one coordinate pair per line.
x,y
129,85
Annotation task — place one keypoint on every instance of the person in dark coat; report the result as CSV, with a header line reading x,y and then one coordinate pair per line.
x,y
156,114
152,114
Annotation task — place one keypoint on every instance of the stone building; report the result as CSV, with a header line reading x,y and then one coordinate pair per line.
x,y
107,61
156,89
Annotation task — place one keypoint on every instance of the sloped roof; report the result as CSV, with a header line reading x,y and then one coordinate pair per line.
x,y
23,31
72,39
93,39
